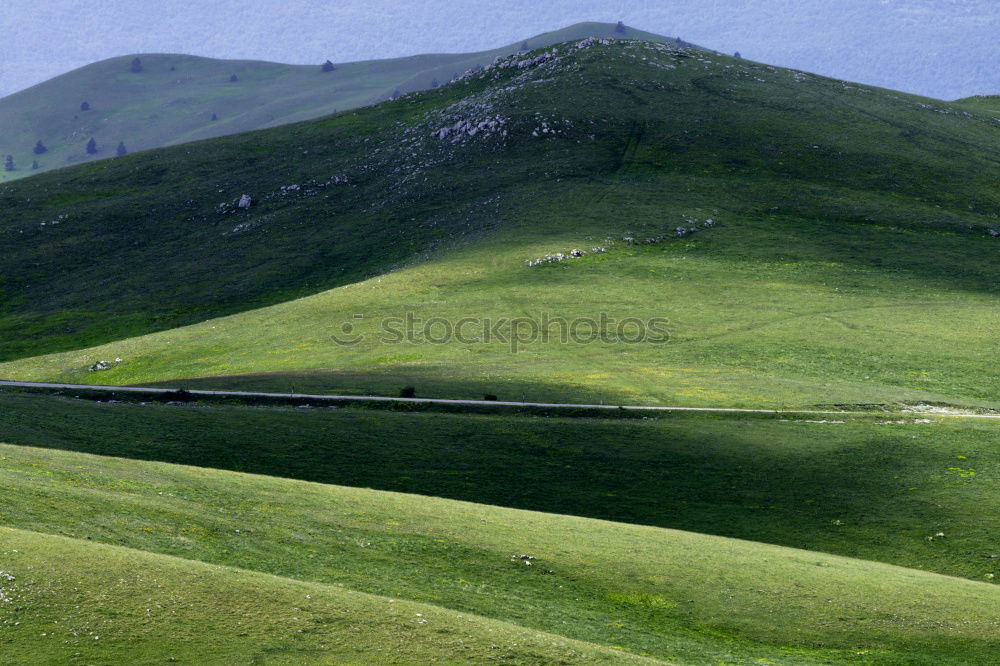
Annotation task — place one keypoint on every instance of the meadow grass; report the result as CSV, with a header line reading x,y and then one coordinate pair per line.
x,y
74,601
745,331
829,278
850,263
871,488
672,595
982,103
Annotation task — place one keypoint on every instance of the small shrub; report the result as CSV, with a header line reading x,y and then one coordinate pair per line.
x,y
179,395
408,392
489,396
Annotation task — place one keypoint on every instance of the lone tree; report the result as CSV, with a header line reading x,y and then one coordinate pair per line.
x,y
234,78
40,148
215,116
92,146
8,164
395,94
85,106
121,149
524,46
434,83
328,66
737,55
34,165
620,28
136,65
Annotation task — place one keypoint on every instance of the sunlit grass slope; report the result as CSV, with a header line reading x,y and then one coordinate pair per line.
x,y
73,601
872,488
673,595
851,260
173,99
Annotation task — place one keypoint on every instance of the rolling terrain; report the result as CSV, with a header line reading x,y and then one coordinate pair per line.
x,y
849,258
876,487
791,241
609,584
178,98
140,608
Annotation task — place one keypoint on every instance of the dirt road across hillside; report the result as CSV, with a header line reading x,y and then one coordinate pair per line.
x,y
319,398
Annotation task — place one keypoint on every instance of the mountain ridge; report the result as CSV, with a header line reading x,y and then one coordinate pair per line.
x,y
837,192
177,98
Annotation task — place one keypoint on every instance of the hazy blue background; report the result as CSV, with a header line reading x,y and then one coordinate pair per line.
x,y
941,48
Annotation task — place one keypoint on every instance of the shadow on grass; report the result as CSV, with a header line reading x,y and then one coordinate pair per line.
x,y
855,489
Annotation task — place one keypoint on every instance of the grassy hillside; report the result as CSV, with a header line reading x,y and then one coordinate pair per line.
x,y
173,99
850,262
982,103
637,588
877,488
126,606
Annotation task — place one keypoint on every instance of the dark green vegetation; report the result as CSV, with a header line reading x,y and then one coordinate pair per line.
x,y
982,103
676,596
877,491
179,98
852,264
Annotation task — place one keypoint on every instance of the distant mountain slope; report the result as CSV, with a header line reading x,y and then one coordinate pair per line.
x,y
174,98
850,258
982,103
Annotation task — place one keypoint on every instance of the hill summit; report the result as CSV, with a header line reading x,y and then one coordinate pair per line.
x,y
806,197
148,100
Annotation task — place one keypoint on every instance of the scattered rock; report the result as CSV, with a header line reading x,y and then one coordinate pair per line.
x,y
244,202
105,365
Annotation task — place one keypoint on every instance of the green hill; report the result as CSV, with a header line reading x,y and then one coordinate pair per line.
x,y
670,595
76,601
174,97
982,103
878,487
851,260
